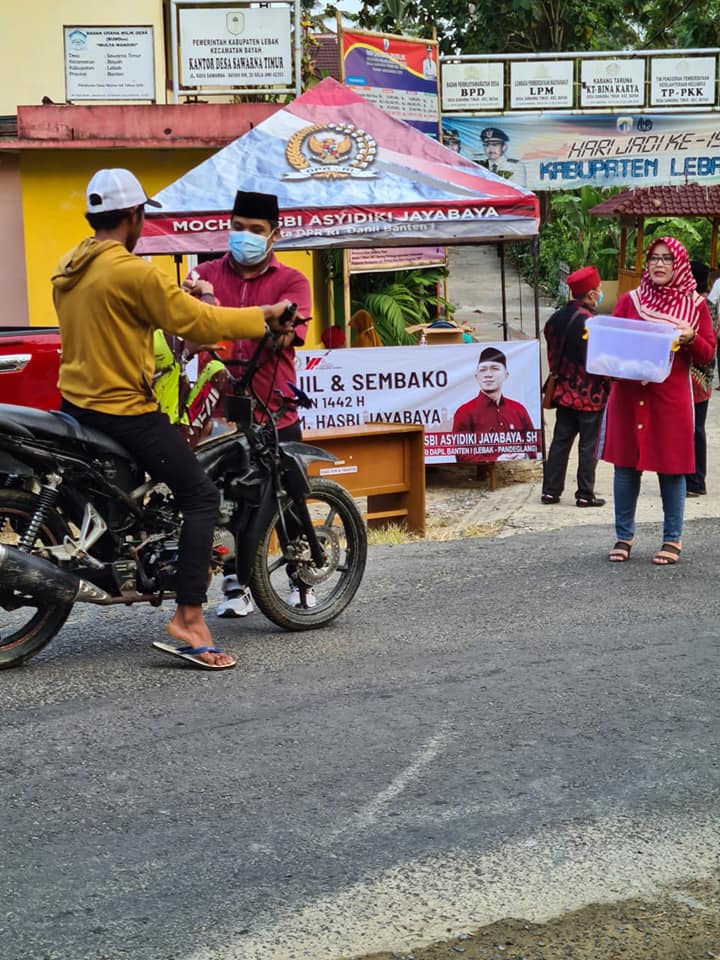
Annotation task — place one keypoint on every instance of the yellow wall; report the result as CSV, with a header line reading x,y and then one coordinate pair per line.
x,y
14,302
32,63
53,197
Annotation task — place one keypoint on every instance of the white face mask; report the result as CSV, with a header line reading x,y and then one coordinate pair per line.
x,y
247,248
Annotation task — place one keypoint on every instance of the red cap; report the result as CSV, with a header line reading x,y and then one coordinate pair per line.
x,y
583,280
333,337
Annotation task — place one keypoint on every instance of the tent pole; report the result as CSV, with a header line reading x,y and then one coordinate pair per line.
x,y
177,257
639,244
536,283
536,299
520,304
501,251
714,245
347,307
341,58
298,37
331,299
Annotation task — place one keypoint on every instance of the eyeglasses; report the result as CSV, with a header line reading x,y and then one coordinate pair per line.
x,y
661,258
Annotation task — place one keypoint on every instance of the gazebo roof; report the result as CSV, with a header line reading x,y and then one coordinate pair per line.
x,y
685,200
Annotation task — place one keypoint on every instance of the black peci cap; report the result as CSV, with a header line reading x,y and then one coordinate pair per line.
x,y
492,355
256,206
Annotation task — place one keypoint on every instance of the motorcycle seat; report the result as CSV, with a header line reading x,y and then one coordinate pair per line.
x,y
57,424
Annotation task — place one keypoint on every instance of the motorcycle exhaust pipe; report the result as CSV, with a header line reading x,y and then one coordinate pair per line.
x,y
42,580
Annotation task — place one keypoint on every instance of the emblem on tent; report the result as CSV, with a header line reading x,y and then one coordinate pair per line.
x,y
235,22
332,151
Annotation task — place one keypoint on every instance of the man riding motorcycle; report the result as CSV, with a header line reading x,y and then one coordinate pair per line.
x,y
109,304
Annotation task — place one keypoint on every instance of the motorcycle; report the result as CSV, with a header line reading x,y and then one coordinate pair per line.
x,y
80,521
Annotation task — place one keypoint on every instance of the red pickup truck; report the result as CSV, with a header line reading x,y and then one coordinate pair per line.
x,y
29,363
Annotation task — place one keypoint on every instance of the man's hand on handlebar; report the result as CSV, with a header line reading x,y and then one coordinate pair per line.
x,y
283,340
281,318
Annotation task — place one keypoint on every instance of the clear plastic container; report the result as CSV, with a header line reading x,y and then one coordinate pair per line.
x,y
630,349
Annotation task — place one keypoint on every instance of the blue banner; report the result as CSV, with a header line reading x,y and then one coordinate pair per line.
x,y
566,151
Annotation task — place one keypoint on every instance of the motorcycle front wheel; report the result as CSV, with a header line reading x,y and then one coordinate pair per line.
x,y
288,587
26,624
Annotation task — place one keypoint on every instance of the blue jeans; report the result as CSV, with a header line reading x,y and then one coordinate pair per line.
x,y
626,488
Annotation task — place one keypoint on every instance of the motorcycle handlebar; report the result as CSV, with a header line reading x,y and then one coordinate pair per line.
x,y
288,314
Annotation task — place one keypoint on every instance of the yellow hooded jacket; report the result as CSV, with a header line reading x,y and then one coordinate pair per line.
x,y
109,303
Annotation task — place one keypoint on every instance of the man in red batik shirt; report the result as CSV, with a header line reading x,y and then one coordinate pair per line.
x,y
246,276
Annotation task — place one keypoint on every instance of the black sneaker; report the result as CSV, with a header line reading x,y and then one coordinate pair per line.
x,y
589,502
549,498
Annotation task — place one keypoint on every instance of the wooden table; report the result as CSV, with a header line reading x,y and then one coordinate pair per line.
x,y
383,462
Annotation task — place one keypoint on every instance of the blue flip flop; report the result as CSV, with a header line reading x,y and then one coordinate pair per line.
x,y
191,655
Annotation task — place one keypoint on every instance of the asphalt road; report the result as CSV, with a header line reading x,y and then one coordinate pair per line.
x,y
494,728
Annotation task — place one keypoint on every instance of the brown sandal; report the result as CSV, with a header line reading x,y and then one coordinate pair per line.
x,y
620,553
667,555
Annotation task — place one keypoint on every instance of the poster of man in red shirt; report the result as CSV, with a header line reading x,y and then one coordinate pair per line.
x,y
491,422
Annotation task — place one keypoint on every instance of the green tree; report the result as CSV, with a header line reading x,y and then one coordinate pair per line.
x,y
682,24
509,26
693,232
571,237
518,26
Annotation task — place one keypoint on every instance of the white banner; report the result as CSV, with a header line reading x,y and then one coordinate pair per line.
x,y
543,84
235,46
473,86
684,81
477,402
612,83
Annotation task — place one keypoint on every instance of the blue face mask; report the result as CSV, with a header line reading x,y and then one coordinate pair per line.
x,y
601,297
247,248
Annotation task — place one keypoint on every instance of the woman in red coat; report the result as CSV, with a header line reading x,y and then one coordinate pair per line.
x,y
649,426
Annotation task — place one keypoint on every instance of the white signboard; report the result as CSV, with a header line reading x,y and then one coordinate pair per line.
x,y
235,47
686,81
473,86
109,63
541,84
477,402
612,83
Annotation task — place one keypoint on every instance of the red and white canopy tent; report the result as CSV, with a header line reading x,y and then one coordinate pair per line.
x,y
346,175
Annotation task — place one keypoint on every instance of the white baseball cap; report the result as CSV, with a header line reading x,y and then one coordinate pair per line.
x,y
115,189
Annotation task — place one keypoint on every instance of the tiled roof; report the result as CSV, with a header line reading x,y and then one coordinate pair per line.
x,y
685,200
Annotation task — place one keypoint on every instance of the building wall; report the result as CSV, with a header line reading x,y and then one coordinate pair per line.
x,y
14,311
42,191
53,207
32,57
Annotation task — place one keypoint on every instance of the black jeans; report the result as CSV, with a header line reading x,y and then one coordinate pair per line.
x,y
291,432
696,481
568,425
159,448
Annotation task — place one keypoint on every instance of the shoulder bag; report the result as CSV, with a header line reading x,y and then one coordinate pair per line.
x,y
548,388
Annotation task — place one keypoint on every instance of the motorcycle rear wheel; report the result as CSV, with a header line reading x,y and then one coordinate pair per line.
x,y
342,534
26,628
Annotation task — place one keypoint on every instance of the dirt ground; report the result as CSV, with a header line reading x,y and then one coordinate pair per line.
x,y
680,925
